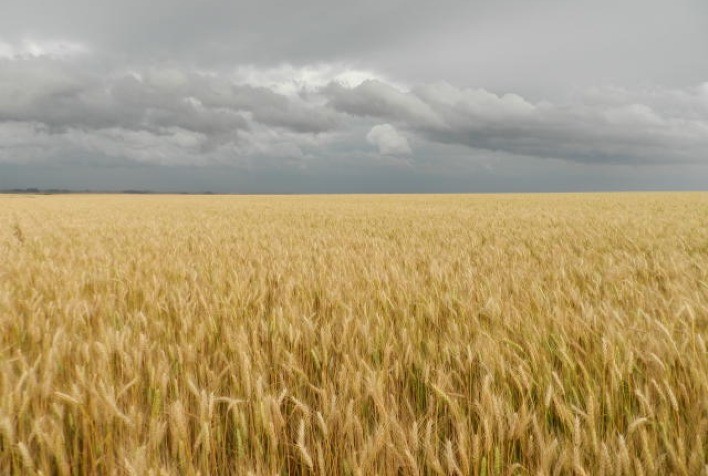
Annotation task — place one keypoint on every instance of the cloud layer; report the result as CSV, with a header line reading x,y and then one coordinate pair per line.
x,y
600,126
447,87
176,115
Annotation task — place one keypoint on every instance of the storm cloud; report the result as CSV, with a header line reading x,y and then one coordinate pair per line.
x,y
328,90
611,126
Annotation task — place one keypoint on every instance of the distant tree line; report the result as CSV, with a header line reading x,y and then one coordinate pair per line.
x,y
57,191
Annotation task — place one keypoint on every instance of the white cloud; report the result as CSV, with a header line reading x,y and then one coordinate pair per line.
x,y
32,48
292,80
474,101
388,140
633,114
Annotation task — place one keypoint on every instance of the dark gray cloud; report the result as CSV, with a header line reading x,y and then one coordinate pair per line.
x,y
669,126
48,91
314,85
157,114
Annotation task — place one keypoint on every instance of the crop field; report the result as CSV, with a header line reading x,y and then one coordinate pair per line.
x,y
451,334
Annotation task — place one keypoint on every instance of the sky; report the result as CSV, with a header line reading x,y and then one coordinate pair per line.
x,y
322,96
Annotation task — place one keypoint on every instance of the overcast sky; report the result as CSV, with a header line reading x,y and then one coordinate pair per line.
x,y
366,96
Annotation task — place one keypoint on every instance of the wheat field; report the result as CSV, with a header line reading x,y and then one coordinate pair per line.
x,y
458,334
